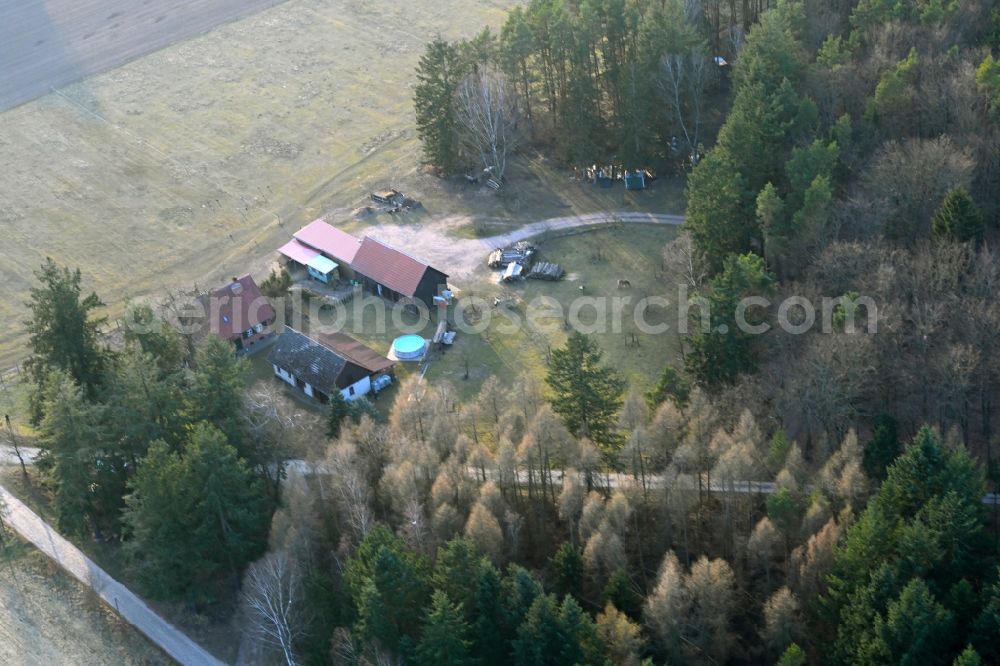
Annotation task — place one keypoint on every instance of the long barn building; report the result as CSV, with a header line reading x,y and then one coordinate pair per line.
x,y
328,253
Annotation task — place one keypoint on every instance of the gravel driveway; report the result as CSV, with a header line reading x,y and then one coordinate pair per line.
x,y
437,243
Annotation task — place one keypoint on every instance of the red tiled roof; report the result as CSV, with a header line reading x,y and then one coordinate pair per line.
x,y
354,351
296,251
237,307
329,240
390,267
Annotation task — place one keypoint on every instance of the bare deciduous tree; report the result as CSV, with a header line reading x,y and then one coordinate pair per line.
x,y
270,425
352,489
487,110
683,85
272,598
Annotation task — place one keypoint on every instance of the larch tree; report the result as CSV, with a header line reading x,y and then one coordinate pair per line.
x,y
763,546
484,529
604,553
667,605
711,587
622,638
570,502
781,621
352,494
811,562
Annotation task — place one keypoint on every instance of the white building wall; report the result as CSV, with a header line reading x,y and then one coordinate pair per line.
x,y
361,387
283,375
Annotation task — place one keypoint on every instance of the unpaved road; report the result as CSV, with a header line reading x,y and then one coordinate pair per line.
x,y
8,456
46,45
435,242
130,607
298,468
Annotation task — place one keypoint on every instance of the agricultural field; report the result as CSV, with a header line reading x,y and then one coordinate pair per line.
x,y
195,162
46,617
45,45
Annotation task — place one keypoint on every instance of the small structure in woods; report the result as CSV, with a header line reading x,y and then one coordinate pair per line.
x,y
635,180
335,362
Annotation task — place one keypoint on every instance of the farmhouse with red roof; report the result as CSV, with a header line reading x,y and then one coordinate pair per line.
x,y
240,313
381,269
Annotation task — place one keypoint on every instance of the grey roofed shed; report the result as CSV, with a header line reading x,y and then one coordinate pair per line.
x,y
307,360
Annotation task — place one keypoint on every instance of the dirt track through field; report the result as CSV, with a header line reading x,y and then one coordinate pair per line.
x,y
46,45
130,607
460,257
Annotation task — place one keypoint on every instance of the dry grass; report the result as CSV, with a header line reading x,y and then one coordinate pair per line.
x,y
46,617
632,252
596,259
195,162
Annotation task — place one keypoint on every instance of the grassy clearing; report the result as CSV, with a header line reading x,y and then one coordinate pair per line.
x,y
596,259
46,617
